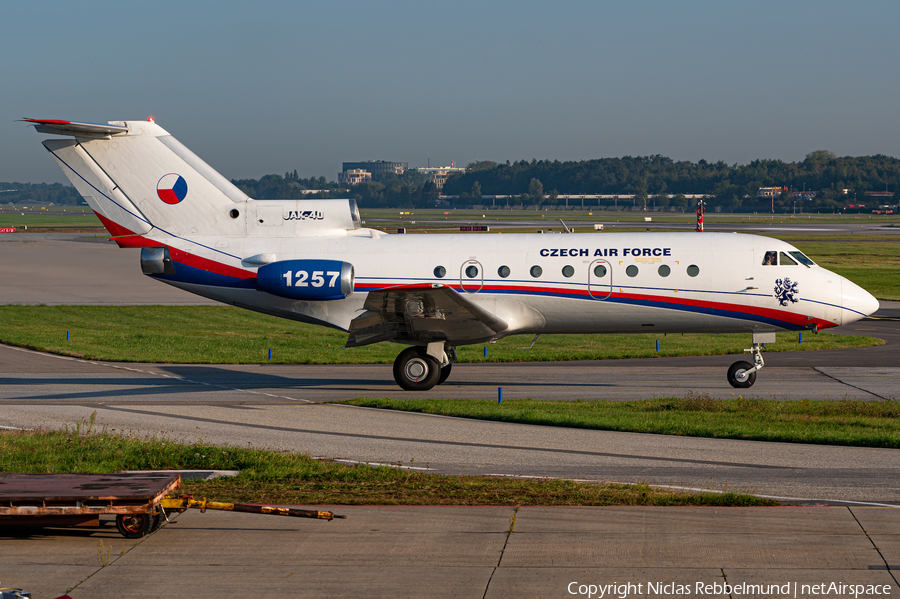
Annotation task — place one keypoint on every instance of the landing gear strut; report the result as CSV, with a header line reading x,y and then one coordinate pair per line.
x,y
445,369
742,374
417,368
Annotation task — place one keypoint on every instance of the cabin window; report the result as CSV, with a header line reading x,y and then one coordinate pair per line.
x,y
599,271
440,272
693,270
568,271
787,260
503,271
664,270
536,271
471,271
801,258
631,271
770,259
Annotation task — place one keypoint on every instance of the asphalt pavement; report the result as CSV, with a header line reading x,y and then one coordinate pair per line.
x,y
473,552
450,551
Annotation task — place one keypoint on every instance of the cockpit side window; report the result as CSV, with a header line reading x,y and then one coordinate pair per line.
x,y
802,259
770,259
787,260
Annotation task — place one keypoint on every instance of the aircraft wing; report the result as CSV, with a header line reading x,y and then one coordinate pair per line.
x,y
54,127
421,314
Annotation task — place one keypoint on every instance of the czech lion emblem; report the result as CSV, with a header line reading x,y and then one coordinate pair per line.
x,y
785,291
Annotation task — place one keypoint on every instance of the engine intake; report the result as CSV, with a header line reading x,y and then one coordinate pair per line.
x,y
310,280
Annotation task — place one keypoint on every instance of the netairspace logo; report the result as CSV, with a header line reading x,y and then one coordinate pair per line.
x,y
790,589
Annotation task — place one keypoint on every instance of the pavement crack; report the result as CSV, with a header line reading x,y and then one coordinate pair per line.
x,y
509,531
874,546
834,378
113,560
725,578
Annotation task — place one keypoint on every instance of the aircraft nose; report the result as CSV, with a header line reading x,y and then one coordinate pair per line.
x,y
857,302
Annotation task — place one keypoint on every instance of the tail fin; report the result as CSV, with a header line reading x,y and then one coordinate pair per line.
x,y
136,177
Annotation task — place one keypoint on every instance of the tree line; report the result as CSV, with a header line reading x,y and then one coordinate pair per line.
x,y
39,193
662,180
655,181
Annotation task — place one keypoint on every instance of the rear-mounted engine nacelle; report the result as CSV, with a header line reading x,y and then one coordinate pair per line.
x,y
311,280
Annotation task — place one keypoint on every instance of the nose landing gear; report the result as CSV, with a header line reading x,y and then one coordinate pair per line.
x,y
742,374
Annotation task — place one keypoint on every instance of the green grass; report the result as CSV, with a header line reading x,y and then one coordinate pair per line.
x,y
226,335
78,217
857,423
292,478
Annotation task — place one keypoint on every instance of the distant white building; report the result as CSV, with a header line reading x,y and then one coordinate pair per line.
x,y
769,192
438,174
378,167
354,176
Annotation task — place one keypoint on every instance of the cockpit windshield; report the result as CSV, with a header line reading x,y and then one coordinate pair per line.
x,y
786,260
791,258
801,258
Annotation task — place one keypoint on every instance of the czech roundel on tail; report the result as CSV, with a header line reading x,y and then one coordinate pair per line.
x,y
313,261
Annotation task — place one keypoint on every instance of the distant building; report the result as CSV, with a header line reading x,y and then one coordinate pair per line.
x,y
803,195
354,176
377,167
769,192
879,194
438,174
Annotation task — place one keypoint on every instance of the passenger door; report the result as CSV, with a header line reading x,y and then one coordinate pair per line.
x,y
600,279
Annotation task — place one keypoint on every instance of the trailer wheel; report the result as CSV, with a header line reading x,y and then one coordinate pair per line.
x,y
157,521
134,526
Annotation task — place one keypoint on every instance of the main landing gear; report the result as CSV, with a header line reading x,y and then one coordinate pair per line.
x,y
417,368
742,374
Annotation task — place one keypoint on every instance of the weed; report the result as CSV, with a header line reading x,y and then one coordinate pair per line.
x,y
104,557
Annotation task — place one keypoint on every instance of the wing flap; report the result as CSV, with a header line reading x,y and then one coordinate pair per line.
x,y
422,314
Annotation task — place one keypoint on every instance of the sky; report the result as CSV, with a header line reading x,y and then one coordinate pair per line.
x,y
270,87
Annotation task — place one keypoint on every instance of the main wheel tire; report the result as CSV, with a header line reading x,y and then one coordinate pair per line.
x,y
445,372
134,526
734,375
415,370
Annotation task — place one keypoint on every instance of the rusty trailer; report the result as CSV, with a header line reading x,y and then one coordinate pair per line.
x,y
139,501
36,500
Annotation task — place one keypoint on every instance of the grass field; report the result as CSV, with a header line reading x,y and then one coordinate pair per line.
x,y
291,478
226,335
857,423
33,217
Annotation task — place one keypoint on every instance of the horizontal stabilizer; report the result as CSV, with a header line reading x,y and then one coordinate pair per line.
x,y
55,127
421,314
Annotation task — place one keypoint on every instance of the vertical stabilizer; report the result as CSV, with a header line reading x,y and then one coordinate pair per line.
x,y
136,177
118,214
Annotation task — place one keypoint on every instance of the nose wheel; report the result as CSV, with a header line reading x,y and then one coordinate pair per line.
x,y
742,374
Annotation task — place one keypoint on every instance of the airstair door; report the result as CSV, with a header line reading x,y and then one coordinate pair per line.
x,y
471,276
600,279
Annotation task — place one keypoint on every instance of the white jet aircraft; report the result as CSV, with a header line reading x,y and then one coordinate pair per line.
x,y
313,261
